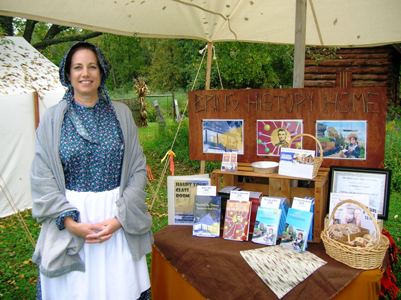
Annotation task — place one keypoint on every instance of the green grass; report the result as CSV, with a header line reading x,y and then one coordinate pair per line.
x,y
18,274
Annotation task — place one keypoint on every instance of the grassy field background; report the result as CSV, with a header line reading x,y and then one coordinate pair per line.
x,y
18,274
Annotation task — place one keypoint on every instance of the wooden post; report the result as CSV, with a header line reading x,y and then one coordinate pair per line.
x,y
299,46
209,64
207,86
36,108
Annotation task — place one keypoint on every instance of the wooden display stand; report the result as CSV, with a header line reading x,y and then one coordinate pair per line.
x,y
280,186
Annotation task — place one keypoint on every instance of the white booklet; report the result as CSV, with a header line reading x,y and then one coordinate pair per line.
x,y
296,162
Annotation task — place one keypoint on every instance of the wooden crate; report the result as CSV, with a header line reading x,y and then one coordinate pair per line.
x,y
280,186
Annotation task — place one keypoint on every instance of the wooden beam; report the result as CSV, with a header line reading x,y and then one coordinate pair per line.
x,y
36,108
299,47
209,65
207,87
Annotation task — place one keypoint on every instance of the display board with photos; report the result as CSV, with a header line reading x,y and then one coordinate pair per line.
x,y
256,123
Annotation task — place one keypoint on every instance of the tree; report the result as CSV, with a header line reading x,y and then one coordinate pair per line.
x,y
166,70
241,65
248,65
129,58
6,26
42,35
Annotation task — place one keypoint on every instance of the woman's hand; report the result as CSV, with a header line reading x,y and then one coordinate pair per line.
x,y
108,227
81,229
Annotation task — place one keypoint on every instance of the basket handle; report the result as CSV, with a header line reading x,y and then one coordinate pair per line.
x,y
311,136
364,207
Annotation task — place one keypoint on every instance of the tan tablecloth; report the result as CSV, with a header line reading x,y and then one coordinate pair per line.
x,y
190,268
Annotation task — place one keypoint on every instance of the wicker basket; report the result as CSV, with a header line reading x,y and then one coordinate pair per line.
x,y
365,258
318,160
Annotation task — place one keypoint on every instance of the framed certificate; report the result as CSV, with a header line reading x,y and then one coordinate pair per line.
x,y
373,182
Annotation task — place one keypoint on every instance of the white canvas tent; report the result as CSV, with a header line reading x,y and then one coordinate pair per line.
x,y
342,23
23,70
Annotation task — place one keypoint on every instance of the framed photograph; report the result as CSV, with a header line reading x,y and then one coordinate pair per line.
x,y
271,135
342,139
223,135
373,182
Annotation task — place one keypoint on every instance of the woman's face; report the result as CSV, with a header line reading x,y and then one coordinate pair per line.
x,y
85,76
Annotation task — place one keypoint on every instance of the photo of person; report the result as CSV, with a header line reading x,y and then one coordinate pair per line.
x,y
283,138
272,135
342,139
299,241
352,150
270,237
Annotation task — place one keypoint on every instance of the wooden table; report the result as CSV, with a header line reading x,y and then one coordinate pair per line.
x,y
191,268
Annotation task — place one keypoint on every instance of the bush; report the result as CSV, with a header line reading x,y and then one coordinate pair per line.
x,y
392,158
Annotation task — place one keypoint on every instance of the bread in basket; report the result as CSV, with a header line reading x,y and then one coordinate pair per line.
x,y
361,252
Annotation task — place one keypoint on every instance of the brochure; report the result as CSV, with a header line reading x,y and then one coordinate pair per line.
x,y
298,223
266,226
296,162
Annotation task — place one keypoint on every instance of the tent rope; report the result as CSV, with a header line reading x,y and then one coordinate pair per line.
x,y
8,196
156,193
218,69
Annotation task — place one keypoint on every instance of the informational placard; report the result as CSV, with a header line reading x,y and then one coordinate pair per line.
x,y
372,182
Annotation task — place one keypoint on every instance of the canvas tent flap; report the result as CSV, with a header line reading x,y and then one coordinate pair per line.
x,y
330,23
16,151
23,70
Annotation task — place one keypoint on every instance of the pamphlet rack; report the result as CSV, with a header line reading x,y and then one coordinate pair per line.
x,y
280,186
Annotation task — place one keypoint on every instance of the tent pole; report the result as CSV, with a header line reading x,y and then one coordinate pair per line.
x,y
209,64
207,87
299,46
36,108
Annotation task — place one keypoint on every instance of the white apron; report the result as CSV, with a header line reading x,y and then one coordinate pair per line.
x,y
110,272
